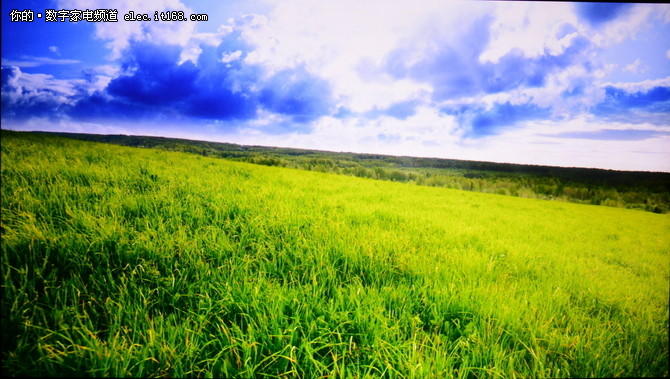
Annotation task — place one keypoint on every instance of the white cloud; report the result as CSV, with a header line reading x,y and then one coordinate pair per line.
x,y
427,131
339,41
26,87
119,34
107,69
100,76
635,67
54,49
532,29
552,95
31,61
231,57
641,86
192,49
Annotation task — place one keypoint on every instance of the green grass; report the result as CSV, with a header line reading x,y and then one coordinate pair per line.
x,y
135,262
649,191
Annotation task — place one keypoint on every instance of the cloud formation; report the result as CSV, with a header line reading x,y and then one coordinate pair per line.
x,y
597,14
651,105
27,95
480,122
154,83
455,70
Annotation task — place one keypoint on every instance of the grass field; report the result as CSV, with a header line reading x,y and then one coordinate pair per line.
x,y
119,261
648,191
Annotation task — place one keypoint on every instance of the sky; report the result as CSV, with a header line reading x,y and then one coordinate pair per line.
x,y
548,83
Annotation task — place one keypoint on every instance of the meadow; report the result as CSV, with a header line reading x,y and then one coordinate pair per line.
x,y
649,191
119,261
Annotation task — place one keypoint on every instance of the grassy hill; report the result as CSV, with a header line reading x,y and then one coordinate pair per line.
x,y
119,261
649,191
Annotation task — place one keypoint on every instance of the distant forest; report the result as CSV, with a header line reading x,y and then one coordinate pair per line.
x,y
649,191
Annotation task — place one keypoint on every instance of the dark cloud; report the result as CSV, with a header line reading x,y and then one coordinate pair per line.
x,y
154,85
612,134
616,98
298,94
224,90
157,78
450,69
100,106
38,106
597,14
455,70
481,122
8,73
652,105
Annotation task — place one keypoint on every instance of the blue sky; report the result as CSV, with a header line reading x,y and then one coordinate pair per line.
x,y
551,83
